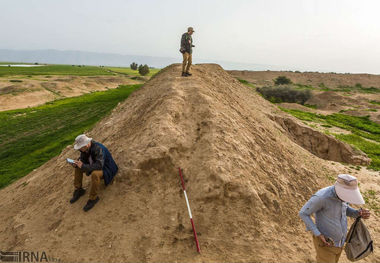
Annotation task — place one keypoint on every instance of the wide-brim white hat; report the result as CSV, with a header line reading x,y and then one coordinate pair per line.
x,y
346,188
80,141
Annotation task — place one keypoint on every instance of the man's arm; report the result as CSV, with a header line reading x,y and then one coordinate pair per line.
x,y
97,163
351,212
364,213
81,157
314,204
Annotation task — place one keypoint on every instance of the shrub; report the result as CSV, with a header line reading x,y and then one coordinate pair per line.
x,y
285,94
143,70
134,66
243,81
282,80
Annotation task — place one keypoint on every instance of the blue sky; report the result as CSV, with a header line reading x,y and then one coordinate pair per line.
x,y
325,35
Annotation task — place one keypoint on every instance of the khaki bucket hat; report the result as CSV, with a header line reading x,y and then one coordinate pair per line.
x,y
190,29
346,188
80,141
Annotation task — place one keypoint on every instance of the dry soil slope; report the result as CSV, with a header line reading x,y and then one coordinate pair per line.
x,y
245,179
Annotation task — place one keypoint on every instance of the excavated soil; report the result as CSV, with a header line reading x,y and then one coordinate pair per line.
x,y
322,145
246,181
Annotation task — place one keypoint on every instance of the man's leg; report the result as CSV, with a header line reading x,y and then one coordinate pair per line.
x,y
78,178
79,191
189,62
185,61
326,254
96,176
338,253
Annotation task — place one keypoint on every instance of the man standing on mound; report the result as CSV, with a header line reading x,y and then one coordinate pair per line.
x,y
331,208
187,50
94,160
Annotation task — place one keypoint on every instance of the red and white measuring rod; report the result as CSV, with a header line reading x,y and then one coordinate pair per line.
x,y
188,208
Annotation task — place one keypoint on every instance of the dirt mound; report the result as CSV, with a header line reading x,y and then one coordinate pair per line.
x,y
246,181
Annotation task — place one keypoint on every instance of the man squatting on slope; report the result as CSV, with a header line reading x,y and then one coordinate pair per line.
x,y
331,208
187,50
94,160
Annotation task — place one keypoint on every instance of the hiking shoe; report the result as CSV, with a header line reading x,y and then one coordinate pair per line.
x,y
184,74
77,194
188,74
90,204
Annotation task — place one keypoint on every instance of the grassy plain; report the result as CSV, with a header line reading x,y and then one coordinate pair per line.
x,y
30,137
55,70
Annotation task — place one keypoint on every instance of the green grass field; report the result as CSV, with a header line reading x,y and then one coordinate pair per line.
x,y
365,134
246,82
30,137
12,63
54,70
131,72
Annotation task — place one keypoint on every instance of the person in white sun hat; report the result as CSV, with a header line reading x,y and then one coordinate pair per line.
x,y
331,208
96,161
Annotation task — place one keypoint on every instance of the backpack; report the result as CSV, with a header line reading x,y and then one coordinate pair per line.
x,y
359,242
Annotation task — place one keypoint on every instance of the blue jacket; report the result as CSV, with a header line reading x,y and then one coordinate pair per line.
x,y
101,160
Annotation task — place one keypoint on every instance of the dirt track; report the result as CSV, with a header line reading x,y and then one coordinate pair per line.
x,y
246,181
